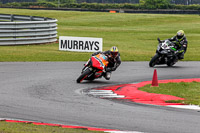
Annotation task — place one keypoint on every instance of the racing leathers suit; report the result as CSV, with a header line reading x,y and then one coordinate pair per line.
x,y
181,46
112,65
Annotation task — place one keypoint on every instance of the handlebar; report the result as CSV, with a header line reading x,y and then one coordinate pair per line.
x,y
159,40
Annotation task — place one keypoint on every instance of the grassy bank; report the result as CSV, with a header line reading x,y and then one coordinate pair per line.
x,y
189,91
134,34
7,127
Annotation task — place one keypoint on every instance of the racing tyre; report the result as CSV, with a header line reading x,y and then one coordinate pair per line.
x,y
153,61
83,75
170,63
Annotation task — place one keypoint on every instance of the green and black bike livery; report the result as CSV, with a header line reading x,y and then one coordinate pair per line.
x,y
165,54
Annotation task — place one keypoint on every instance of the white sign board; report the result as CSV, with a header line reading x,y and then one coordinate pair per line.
x,y
80,44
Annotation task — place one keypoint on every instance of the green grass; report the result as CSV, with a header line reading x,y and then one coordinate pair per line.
x,y
7,127
134,34
189,91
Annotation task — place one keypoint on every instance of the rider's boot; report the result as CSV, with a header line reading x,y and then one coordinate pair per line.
x,y
181,56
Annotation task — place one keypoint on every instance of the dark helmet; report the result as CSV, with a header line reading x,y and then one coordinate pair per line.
x,y
180,34
114,51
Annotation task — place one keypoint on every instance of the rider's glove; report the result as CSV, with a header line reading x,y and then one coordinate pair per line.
x,y
108,69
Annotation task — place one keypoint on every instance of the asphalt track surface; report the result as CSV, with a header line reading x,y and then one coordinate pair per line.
x,y
48,92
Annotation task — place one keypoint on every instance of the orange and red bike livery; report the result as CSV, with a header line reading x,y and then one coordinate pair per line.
x,y
94,68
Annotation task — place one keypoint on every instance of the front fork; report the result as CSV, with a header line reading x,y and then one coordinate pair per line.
x,y
87,64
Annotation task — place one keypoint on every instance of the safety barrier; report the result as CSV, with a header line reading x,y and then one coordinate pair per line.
x,y
21,30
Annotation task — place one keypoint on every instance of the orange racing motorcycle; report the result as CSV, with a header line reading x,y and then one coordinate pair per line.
x,y
94,68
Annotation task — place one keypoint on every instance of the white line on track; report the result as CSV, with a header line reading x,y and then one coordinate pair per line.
x,y
101,91
104,94
116,96
193,107
123,132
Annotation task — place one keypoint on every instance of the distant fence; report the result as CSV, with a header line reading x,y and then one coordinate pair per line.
x,y
21,30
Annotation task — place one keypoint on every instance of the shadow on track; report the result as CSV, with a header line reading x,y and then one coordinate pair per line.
x,y
172,67
94,82
99,82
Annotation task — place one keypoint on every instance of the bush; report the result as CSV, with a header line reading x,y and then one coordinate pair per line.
x,y
148,4
14,4
131,6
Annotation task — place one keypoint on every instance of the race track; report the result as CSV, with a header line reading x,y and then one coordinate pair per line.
x,y
48,92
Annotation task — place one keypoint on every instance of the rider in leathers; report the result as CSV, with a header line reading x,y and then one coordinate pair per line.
x,y
181,44
113,59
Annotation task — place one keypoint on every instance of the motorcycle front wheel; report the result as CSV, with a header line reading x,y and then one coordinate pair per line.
x,y
83,75
153,61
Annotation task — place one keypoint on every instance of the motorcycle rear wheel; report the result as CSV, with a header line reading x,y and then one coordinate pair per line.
x,y
152,63
83,75
169,64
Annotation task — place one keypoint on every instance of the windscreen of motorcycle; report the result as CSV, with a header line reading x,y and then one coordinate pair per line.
x,y
165,44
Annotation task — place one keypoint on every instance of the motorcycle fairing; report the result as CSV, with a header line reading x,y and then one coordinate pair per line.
x,y
99,61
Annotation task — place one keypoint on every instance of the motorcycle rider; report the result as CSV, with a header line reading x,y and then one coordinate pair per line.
x,y
181,43
113,59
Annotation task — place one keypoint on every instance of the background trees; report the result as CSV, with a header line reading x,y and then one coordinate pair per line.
x,y
105,4
9,1
154,4
183,2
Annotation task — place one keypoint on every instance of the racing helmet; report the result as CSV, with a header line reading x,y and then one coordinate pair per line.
x,y
180,34
114,51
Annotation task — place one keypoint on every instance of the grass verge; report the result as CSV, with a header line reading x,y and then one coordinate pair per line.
x,y
7,127
189,91
134,34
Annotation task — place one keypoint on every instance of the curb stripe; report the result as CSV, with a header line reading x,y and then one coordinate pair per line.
x,y
131,92
57,125
67,126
